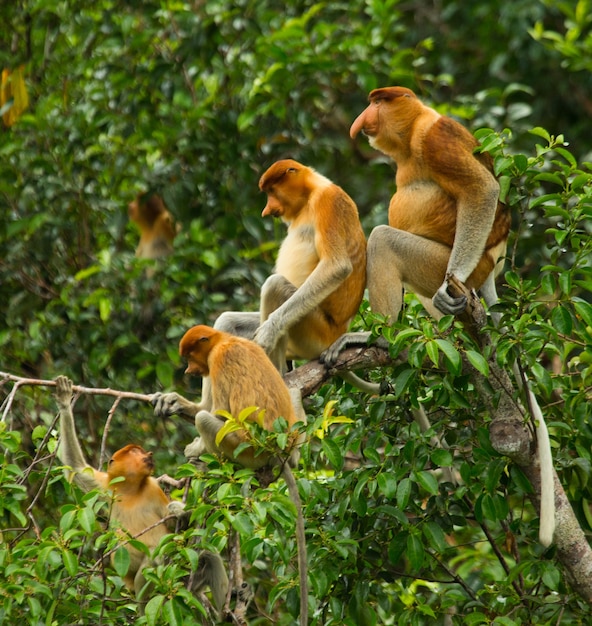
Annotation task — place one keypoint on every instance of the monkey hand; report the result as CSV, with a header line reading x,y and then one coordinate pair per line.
x,y
167,404
444,301
63,392
267,335
176,508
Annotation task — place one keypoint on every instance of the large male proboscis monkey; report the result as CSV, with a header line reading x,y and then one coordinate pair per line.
x,y
138,504
242,376
156,224
445,220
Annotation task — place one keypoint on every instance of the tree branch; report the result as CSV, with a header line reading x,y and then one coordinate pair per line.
x,y
19,381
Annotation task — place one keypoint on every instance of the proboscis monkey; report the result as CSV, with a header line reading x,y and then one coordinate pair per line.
x,y
138,504
157,226
445,220
319,278
242,376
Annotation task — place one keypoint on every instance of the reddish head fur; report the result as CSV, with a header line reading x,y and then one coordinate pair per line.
x,y
288,185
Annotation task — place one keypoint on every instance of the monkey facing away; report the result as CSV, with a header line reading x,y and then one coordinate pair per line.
x,y
445,219
138,506
242,376
156,224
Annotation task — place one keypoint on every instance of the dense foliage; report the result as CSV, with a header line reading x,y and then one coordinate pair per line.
x,y
195,100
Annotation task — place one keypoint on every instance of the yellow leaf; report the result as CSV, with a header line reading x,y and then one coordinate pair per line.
x,y
244,415
328,419
231,426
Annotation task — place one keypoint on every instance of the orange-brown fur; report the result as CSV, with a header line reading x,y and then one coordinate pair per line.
x,y
156,224
138,504
430,184
445,219
138,501
241,376
325,247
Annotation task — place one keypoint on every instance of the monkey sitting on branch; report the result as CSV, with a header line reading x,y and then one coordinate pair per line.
x,y
446,225
241,376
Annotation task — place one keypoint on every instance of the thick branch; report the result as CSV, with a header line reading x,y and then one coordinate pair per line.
x,y
311,376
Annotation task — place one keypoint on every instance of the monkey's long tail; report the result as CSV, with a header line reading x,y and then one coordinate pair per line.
x,y
547,513
300,543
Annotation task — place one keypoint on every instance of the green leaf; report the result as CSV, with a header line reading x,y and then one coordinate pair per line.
x,y
153,608
479,362
561,320
387,483
452,355
541,132
403,493
403,381
435,537
171,612
70,562
333,453
121,561
542,377
441,458
428,481
432,351
397,547
584,310
87,518
415,552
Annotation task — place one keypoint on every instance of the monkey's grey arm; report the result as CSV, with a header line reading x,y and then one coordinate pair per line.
x,y
69,451
324,279
473,225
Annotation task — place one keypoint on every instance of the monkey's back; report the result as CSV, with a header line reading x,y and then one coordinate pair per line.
x,y
242,376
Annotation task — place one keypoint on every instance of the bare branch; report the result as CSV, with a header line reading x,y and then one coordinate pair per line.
x,y
19,381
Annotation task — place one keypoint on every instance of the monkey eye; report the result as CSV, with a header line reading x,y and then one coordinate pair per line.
x,y
203,339
291,170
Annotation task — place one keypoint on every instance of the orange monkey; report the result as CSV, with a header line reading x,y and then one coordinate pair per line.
x,y
445,220
139,505
242,376
157,226
445,217
319,278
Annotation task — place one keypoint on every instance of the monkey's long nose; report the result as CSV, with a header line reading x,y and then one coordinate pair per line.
x,y
358,125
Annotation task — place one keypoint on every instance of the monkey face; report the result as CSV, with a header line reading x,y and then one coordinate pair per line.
x,y
132,210
130,462
273,207
197,366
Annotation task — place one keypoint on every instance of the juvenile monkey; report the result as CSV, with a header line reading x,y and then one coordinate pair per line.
x,y
138,505
157,226
242,376
445,220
